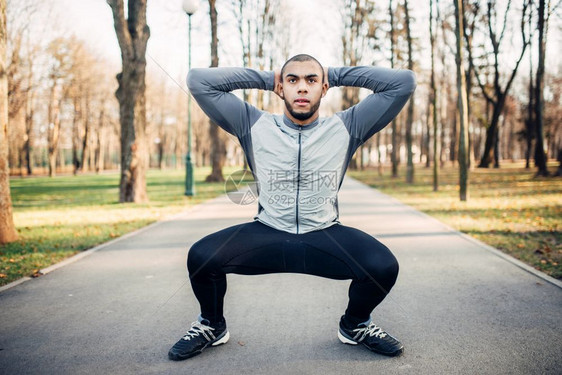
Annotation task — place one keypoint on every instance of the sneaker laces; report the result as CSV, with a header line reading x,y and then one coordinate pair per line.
x,y
198,328
372,330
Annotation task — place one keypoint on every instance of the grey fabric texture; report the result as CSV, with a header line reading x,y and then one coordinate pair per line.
x,y
299,169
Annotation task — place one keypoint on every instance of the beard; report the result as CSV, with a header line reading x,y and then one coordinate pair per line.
x,y
302,116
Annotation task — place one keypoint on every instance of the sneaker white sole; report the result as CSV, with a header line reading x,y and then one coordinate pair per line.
x,y
222,340
345,340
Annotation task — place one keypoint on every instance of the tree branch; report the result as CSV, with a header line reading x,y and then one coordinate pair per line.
x,y
482,87
496,49
505,21
123,36
138,28
525,43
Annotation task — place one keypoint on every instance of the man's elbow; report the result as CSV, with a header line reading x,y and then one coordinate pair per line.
x,y
195,80
407,81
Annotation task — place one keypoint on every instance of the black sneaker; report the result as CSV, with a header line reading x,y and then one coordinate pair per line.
x,y
198,337
371,336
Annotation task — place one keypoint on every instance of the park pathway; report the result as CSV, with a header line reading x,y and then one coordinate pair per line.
x,y
458,307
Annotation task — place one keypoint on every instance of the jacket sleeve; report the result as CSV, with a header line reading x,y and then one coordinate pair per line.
x,y
211,88
391,90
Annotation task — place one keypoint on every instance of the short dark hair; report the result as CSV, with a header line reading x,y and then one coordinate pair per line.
x,y
301,58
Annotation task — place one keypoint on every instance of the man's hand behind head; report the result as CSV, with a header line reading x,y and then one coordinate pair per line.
x,y
277,83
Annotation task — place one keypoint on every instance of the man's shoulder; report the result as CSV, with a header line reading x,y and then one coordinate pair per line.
x,y
333,119
268,118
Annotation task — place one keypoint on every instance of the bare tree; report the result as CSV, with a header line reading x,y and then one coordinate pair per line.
x,y
218,150
433,99
462,103
29,113
394,156
468,31
132,34
529,120
264,34
62,52
540,156
358,29
410,118
498,95
7,229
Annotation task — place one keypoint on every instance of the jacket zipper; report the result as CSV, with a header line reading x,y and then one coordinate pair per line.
x,y
298,180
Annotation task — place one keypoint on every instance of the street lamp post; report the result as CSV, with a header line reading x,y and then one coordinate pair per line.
x,y
189,7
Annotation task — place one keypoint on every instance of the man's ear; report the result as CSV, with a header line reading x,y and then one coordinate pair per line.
x,y
279,90
325,87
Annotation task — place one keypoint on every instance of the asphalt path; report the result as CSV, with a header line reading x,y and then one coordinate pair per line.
x,y
459,307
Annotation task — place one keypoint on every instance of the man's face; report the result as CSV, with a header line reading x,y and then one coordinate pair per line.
x,y
302,90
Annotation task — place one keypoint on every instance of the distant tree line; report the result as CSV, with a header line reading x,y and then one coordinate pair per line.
x,y
67,112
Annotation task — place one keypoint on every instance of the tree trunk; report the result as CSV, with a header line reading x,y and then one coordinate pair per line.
x,y
28,146
8,231
217,146
76,134
261,34
395,138
497,146
454,136
529,121
379,153
132,34
410,114
433,97
492,135
540,156
468,39
53,127
85,163
426,136
100,149
462,104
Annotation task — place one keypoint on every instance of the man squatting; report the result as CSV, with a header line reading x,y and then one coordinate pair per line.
x,y
298,153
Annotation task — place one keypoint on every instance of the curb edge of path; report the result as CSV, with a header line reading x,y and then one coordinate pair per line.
x,y
85,253
516,262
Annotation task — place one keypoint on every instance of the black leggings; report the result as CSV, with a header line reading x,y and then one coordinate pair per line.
x,y
337,252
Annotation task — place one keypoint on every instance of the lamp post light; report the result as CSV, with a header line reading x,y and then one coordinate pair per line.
x,y
189,7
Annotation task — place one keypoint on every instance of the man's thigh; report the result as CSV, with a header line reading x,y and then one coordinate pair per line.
x,y
337,252
344,251
249,248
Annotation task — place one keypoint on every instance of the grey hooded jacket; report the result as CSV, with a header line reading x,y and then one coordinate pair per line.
x,y
299,169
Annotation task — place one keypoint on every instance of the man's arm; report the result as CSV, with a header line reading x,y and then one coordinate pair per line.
x,y
211,88
391,90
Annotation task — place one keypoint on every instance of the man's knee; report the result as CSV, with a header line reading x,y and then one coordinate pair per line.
x,y
390,269
198,256
383,269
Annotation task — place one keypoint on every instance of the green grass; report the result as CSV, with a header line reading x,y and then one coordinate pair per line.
x,y
508,208
61,216
58,217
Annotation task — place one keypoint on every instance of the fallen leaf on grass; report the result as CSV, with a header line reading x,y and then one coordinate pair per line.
x,y
36,273
3,275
